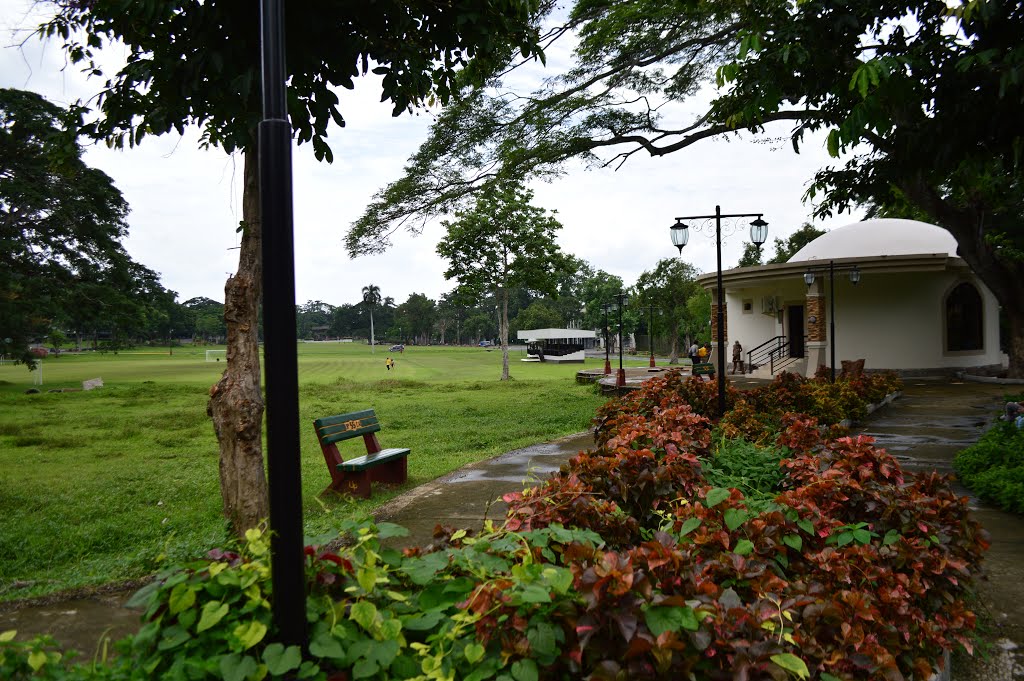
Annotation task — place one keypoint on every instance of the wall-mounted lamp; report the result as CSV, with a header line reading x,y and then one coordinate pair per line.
x,y
812,319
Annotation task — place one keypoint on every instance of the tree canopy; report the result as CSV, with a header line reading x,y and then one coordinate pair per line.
x,y
919,101
61,225
501,243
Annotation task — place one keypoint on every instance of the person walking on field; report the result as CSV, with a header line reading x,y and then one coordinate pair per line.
x,y
389,363
693,352
737,358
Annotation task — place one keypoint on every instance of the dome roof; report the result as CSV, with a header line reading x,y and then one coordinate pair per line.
x,y
873,238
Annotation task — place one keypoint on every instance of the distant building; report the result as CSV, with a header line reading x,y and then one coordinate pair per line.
x,y
557,345
917,308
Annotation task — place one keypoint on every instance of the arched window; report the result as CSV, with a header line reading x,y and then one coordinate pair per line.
x,y
964,319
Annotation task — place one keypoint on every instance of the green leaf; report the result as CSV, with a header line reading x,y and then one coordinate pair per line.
x,y
250,633
717,495
535,593
363,613
182,598
325,645
542,639
524,670
862,536
660,619
743,547
793,541
791,663
806,525
833,143
280,660
236,667
891,537
689,525
8,635
474,652
735,517
36,660
173,637
825,676
213,612
364,668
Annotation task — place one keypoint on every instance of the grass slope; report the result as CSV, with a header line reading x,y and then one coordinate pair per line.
x,y
99,486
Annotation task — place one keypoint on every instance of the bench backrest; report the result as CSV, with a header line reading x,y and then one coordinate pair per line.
x,y
331,429
703,368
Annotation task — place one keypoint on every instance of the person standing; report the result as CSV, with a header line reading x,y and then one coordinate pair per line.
x,y
702,354
693,352
737,358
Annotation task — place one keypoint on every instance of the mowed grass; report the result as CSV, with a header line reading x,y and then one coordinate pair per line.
x,y
101,486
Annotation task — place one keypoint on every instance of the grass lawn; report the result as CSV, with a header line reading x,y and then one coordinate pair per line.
x,y
99,486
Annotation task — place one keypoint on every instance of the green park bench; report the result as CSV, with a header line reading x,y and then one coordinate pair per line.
x,y
704,369
355,475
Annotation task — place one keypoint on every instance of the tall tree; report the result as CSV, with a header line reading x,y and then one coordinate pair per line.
x,y
196,62
920,100
501,243
371,298
416,317
668,287
61,225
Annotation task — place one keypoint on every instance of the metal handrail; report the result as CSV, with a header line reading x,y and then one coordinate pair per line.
x,y
775,351
766,351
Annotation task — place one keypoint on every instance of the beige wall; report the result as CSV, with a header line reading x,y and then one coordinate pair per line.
x,y
893,321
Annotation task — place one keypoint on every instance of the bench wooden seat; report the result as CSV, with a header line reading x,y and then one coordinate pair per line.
x,y
703,369
355,475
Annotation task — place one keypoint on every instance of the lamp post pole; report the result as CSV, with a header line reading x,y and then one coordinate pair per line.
x,y
651,335
607,361
758,235
620,379
282,380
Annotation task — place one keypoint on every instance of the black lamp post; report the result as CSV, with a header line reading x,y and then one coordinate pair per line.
x,y
620,379
854,279
607,361
281,363
758,235
650,334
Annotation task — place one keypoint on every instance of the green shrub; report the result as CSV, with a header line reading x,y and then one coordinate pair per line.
x,y
993,468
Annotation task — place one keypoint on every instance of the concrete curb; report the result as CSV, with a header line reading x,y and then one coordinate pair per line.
x,y
973,378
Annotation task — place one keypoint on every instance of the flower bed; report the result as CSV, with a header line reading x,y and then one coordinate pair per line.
x,y
629,563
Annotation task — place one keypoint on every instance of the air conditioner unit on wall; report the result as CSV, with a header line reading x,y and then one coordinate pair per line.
x,y
770,304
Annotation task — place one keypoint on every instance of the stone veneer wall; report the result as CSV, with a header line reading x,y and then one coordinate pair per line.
x,y
714,322
815,307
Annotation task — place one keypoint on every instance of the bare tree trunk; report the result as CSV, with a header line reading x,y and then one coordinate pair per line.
x,y
674,352
503,332
236,401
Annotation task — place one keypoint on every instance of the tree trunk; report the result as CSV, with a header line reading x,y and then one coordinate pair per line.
x,y
236,401
673,339
373,342
503,332
1002,275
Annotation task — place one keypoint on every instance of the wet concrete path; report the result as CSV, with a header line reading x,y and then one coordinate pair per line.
x,y
924,429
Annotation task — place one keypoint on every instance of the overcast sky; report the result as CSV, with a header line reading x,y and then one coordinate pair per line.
x,y
186,203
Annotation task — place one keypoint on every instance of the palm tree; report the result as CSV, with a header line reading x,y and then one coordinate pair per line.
x,y
371,297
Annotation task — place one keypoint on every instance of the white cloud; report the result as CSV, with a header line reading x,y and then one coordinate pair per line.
x,y
186,203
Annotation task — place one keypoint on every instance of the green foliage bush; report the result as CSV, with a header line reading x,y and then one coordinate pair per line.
x,y
993,468
656,555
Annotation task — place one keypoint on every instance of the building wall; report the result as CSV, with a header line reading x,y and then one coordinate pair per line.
x,y
893,321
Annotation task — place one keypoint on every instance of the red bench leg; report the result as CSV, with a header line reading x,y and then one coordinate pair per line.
x,y
392,472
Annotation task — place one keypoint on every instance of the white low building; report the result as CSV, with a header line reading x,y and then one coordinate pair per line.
x,y
557,345
917,308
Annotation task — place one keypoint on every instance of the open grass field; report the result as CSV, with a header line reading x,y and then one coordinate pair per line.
x,y
99,486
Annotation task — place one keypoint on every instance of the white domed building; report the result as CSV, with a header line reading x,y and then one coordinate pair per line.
x,y
915,307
